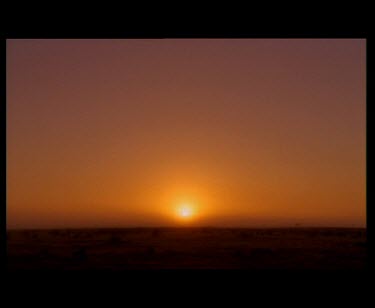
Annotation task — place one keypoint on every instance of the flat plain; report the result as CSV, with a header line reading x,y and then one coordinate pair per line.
x,y
187,248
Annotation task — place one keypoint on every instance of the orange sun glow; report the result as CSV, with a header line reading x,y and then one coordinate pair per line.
x,y
185,210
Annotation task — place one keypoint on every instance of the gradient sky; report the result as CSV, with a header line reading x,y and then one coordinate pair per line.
x,y
249,131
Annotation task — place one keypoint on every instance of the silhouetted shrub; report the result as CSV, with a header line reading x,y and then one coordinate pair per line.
x,y
114,239
247,235
262,252
239,253
155,233
43,252
150,251
79,254
326,233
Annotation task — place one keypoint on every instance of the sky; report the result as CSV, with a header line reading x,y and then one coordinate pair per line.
x,y
242,132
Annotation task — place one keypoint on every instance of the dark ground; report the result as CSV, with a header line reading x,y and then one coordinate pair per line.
x,y
187,248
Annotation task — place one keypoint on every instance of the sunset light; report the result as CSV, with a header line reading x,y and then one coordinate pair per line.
x,y
186,153
135,133
185,210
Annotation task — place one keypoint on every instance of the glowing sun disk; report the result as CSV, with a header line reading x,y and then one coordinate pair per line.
x,y
185,211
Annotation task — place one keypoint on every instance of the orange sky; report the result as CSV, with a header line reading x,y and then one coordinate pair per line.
x,y
250,132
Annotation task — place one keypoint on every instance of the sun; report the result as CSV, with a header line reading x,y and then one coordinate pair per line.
x,y
185,210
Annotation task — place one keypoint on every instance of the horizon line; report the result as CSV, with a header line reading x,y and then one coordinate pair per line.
x,y
189,227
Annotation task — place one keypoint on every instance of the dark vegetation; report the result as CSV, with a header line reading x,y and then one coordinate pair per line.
x,y
191,248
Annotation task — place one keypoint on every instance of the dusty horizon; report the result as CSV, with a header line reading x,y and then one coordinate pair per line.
x,y
186,132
